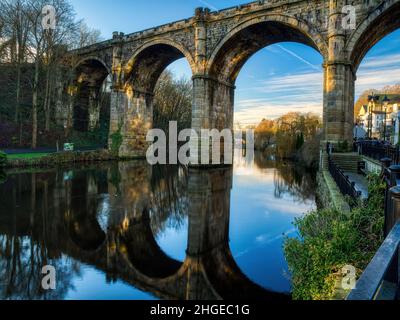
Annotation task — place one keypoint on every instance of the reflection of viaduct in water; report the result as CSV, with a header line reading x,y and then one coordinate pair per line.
x,y
127,249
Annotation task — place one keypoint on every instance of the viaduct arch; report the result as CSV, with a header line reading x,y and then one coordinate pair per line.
x,y
217,44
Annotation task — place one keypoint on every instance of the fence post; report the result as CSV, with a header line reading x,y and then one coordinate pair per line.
x,y
386,162
393,209
393,273
394,175
391,177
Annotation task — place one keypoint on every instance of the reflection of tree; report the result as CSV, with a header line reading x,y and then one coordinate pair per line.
x,y
289,178
3,176
26,247
51,213
295,181
169,186
20,270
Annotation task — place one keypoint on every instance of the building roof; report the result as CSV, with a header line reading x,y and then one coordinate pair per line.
x,y
394,98
363,111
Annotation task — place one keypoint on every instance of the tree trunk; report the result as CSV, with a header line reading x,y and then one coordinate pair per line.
x,y
18,92
35,104
47,100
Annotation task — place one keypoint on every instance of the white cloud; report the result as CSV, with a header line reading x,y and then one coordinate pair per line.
x,y
258,111
299,92
377,72
380,61
304,92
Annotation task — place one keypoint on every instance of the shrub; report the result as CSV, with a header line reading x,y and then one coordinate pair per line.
x,y
342,146
330,239
3,158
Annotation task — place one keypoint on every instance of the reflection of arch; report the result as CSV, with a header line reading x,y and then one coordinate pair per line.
x,y
209,218
129,251
86,233
143,252
381,22
145,67
83,227
230,282
254,34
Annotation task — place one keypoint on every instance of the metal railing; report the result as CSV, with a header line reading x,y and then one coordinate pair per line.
x,y
381,279
377,151
346,187
382,273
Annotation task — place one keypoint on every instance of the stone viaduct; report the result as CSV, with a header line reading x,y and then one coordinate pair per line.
x,y
216,46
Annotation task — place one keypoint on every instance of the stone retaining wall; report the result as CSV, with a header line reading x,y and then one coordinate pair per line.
x,y
328,193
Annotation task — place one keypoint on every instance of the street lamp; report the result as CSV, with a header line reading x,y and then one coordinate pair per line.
x,y
385,101
371,105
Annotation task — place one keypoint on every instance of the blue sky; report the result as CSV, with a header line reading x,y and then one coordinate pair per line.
x,y
278,79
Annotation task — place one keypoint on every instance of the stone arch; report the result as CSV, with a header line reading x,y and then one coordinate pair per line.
x,y
383,20
140,75
254,34
148,62
143,253
87,79
93,58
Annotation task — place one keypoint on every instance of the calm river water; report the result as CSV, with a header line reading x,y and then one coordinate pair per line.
x,y
130,231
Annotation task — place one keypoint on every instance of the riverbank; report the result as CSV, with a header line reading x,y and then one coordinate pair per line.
x,y
331,239
55,159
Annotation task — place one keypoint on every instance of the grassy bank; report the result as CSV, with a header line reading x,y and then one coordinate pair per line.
x,y
53,159
329,240
26,156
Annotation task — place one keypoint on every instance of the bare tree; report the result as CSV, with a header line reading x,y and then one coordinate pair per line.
x,y
16,26
44,43
172,102
25,42
56,41
86,36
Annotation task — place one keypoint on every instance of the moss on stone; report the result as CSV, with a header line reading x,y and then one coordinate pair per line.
x,y
116,142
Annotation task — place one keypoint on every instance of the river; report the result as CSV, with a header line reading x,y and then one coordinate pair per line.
x,y
131,231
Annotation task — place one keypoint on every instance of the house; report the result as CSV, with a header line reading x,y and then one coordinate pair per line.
x,y
376,118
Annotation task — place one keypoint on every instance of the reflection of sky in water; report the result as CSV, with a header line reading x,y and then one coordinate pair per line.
x,y
92,285
258,220
257,223
174,241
